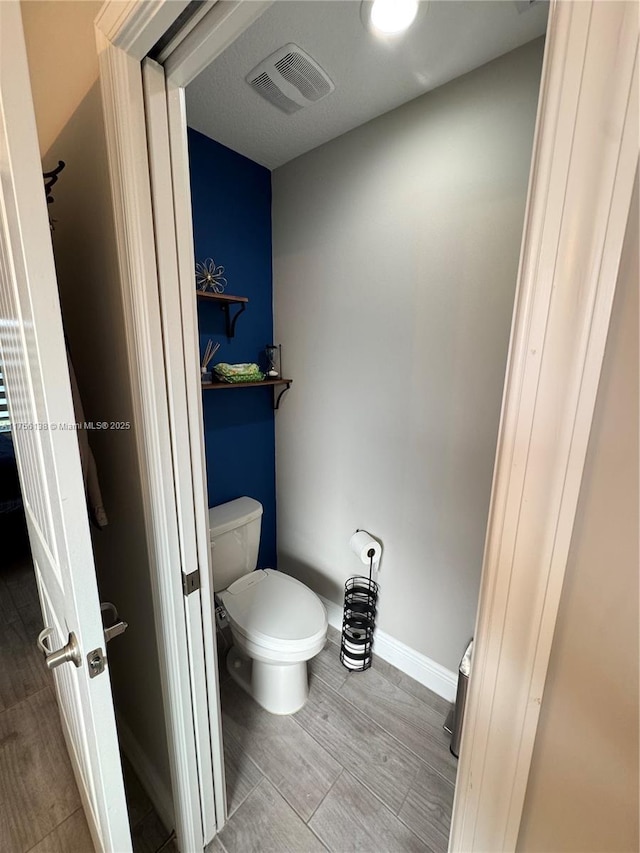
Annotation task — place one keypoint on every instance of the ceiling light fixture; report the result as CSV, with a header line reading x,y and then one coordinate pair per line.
x,y
391,17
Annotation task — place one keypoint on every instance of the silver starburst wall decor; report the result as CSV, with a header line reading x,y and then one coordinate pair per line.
x,y
210,276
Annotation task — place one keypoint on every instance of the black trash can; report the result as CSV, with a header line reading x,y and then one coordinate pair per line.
x,y
461,700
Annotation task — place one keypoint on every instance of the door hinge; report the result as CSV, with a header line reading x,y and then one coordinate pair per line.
x,y
191,582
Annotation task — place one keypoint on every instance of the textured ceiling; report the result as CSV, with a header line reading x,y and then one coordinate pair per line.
x,y
449,38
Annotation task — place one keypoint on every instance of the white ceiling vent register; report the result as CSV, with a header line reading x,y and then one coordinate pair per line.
x,y
290,79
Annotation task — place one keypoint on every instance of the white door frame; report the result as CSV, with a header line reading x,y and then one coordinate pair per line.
x,y
184,394
128,33
584,161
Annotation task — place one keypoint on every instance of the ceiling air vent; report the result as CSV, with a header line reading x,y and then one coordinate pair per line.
x,y
290,79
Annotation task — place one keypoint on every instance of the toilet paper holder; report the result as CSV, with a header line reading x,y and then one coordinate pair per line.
x,y
358,620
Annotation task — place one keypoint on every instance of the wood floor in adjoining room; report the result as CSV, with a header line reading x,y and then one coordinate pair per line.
x,y
364,766
40,807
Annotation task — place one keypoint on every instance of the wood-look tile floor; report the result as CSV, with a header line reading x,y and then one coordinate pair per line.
x,y
40,807
364,766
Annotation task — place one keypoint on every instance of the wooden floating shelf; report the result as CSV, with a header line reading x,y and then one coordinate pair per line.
x,y
211,386
220,297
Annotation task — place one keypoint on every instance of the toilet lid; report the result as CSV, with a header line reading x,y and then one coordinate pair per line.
x,y
267,606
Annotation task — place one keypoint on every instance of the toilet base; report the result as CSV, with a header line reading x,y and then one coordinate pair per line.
x,y
278,688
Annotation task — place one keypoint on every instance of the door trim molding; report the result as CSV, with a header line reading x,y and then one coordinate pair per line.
x,y
583,168
585,155
135,27
210,688
183,384
124,115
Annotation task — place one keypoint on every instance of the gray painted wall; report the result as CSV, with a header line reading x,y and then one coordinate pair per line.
x,y
395,258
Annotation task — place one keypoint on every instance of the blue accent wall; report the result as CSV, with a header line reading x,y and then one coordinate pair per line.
x,y
231,201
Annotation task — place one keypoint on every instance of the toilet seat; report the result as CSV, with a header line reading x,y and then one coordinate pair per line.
x,y
276,613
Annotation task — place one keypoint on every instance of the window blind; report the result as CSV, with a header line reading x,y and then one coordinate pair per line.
x,y
5,423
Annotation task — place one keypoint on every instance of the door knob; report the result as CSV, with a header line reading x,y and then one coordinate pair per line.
x,y
67,654
110,614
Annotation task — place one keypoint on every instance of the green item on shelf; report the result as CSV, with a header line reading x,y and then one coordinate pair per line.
x,y
247,372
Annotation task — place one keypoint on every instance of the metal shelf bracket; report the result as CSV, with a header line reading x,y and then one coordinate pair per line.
x,y
229,321
276,404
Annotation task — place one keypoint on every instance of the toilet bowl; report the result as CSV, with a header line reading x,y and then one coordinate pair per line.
x,y
277,623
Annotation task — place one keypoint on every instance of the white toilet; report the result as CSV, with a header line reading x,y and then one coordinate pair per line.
x,y
277,623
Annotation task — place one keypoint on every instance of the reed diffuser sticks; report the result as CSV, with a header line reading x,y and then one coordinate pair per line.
x,y
210,350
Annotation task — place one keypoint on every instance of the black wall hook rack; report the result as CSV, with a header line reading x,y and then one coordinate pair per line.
x,y
51,178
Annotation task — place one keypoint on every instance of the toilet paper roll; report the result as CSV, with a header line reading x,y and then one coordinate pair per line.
x,y
362,543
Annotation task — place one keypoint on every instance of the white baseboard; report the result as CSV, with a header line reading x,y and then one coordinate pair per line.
x,y
418,666
156,789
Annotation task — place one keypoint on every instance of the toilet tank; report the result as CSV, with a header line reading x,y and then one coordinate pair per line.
x,y
234,536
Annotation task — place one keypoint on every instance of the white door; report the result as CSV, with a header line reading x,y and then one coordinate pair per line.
x,y
34,363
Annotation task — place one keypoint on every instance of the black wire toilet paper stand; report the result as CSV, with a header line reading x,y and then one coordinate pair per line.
x,y
358,620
